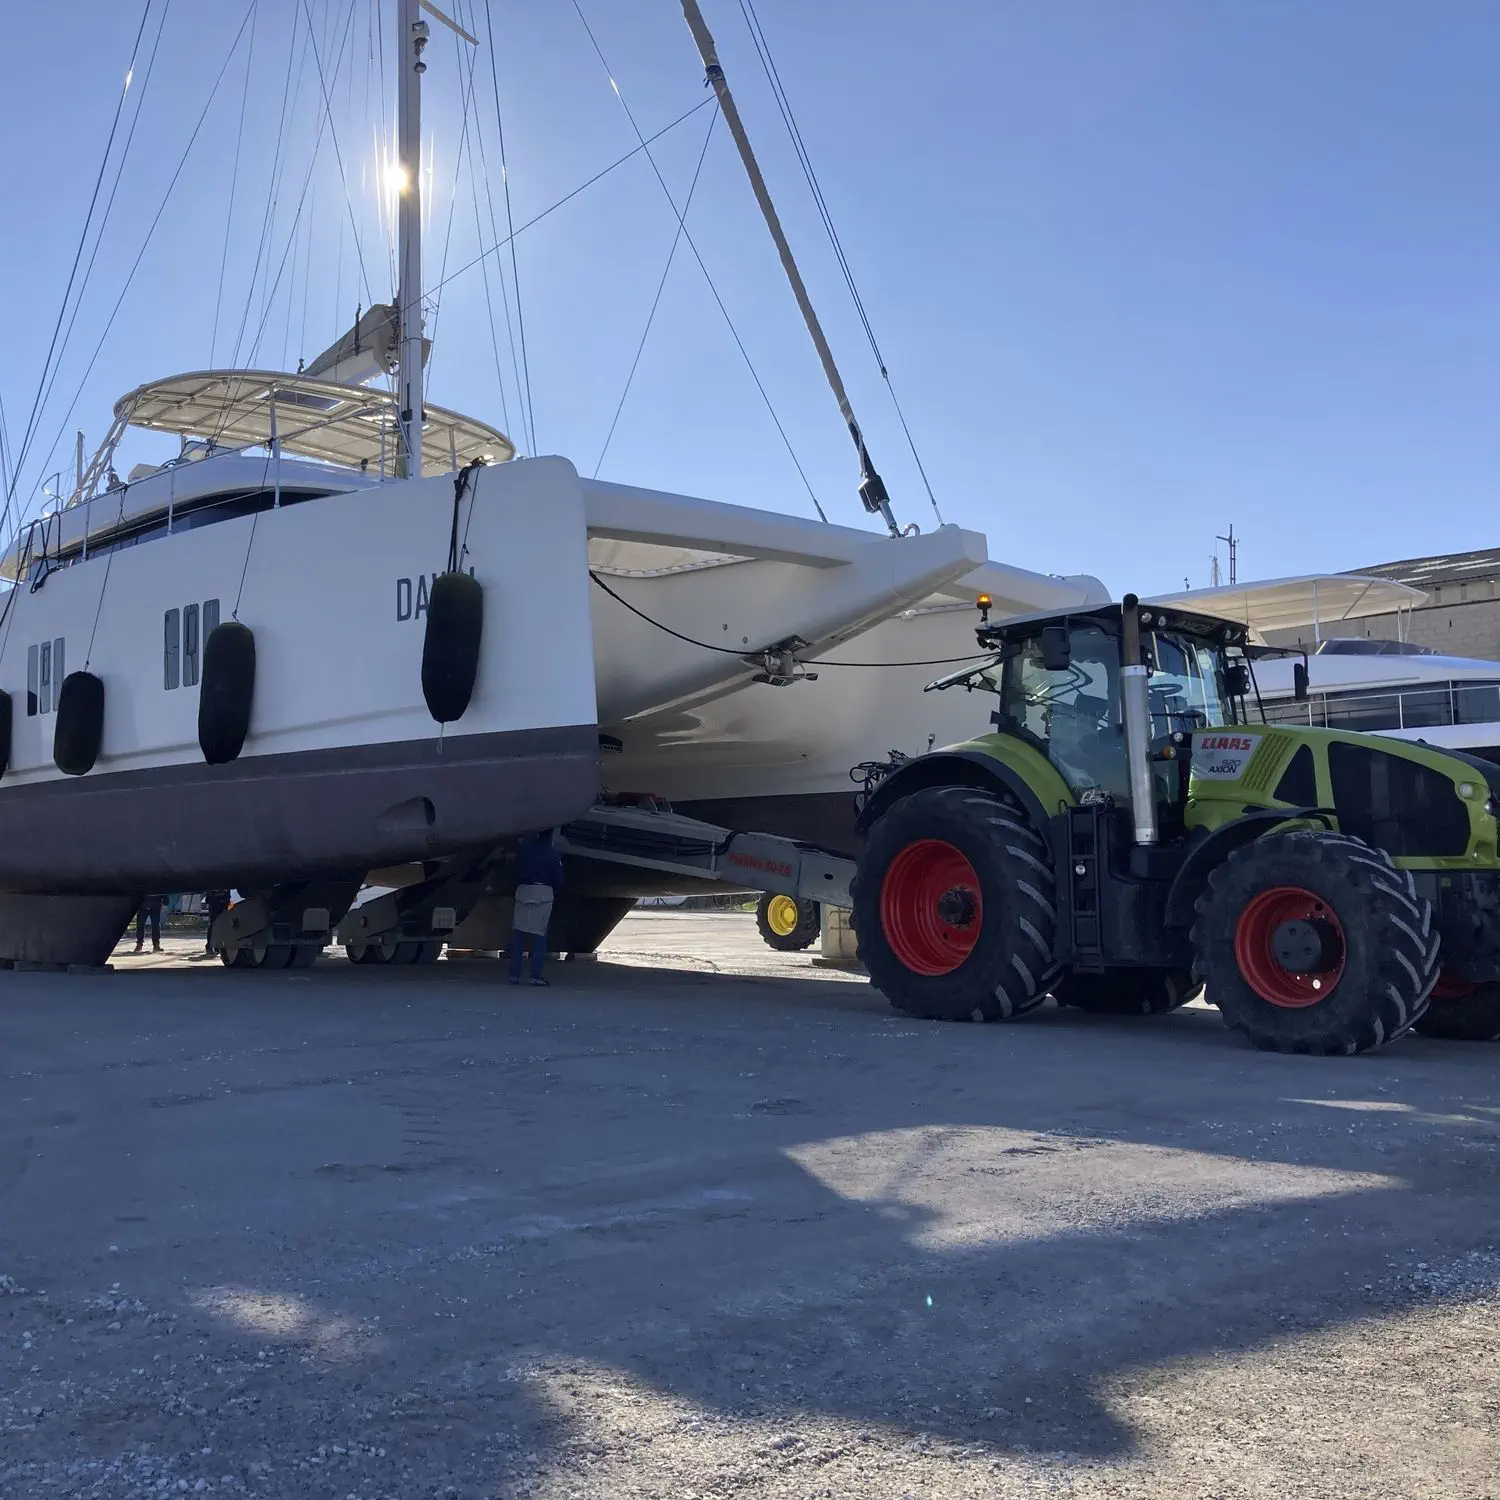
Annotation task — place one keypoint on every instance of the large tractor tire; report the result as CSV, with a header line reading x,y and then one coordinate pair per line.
x,y
787,924
954,907
1128,992
1460,1012
1315,942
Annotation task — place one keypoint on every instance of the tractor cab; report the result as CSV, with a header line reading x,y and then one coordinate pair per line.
x,y
1060,681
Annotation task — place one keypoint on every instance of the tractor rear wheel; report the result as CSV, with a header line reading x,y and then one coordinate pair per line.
x,y
954,907
1315,942
787,924
1128,992
1461,1012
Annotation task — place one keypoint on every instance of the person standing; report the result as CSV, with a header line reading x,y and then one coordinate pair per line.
x,y
150,911
539,875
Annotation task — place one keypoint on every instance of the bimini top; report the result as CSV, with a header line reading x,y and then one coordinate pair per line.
x,y
1316,599
352,425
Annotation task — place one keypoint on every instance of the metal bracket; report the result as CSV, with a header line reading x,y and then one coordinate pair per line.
x,y
779,665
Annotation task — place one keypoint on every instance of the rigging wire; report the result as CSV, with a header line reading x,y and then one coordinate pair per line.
x,y
302,197
333,134
661,286
773,77
942,661
234,177
151,230
19,457
734,332
114,189
510,230
582,187
271,193
458,164
484,267
489,198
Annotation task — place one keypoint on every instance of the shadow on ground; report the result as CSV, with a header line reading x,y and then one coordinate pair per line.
x,y
411,1211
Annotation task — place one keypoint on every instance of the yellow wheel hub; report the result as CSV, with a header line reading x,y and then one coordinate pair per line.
x,y
782,915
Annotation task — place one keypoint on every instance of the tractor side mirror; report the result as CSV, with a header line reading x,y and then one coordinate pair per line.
x,y
1057,650
1237,679
1299,681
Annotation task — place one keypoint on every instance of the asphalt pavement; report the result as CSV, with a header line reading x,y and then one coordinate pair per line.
x,y
703,1220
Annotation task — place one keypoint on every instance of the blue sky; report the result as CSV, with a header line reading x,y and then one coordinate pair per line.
x,y
1138,271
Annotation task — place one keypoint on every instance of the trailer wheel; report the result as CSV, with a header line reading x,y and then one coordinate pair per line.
x,y
1461,1012
305,955
954,907
1315,942
1128,992
787,924
360,953
271,955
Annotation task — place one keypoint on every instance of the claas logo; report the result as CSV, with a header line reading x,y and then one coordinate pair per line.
x,y
1226,742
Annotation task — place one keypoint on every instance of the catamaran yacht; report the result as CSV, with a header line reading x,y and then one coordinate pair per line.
x,y
345,628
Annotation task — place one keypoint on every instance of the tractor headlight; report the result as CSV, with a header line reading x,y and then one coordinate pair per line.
x,y
1490,807
1466,789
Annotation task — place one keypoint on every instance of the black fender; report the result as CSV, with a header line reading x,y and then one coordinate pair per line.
x,y
1211,851
952,768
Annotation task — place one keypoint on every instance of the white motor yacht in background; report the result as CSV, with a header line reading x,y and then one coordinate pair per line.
x,y
1356,681
1390,687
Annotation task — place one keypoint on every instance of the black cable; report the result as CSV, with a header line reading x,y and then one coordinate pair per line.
x,y
661,286
722,650
734,332
947,661
19,457
773,76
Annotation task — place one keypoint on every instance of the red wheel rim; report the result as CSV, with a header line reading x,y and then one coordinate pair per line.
x,y
931,909
1255,951
1450,987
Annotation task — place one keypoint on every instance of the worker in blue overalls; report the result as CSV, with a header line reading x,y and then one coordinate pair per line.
x,y
539,874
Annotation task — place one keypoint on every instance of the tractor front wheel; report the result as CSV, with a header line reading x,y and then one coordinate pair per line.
x,y
955,907
787,924
1315,942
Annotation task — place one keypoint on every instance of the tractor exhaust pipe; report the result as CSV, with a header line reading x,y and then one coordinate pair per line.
x,y
1136,702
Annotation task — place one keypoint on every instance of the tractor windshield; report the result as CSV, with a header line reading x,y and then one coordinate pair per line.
x,y
1187,687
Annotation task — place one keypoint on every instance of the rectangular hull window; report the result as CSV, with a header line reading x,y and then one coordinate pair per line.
x,y
33,681
190,645
59,671
171,649
210,617
46,677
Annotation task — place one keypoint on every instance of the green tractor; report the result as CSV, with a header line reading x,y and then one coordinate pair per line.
x,y
1132,831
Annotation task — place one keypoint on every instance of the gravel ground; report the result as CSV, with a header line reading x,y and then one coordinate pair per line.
x,y
666,1232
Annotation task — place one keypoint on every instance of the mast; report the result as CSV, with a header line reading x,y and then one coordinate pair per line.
x,y
872,489
411,41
